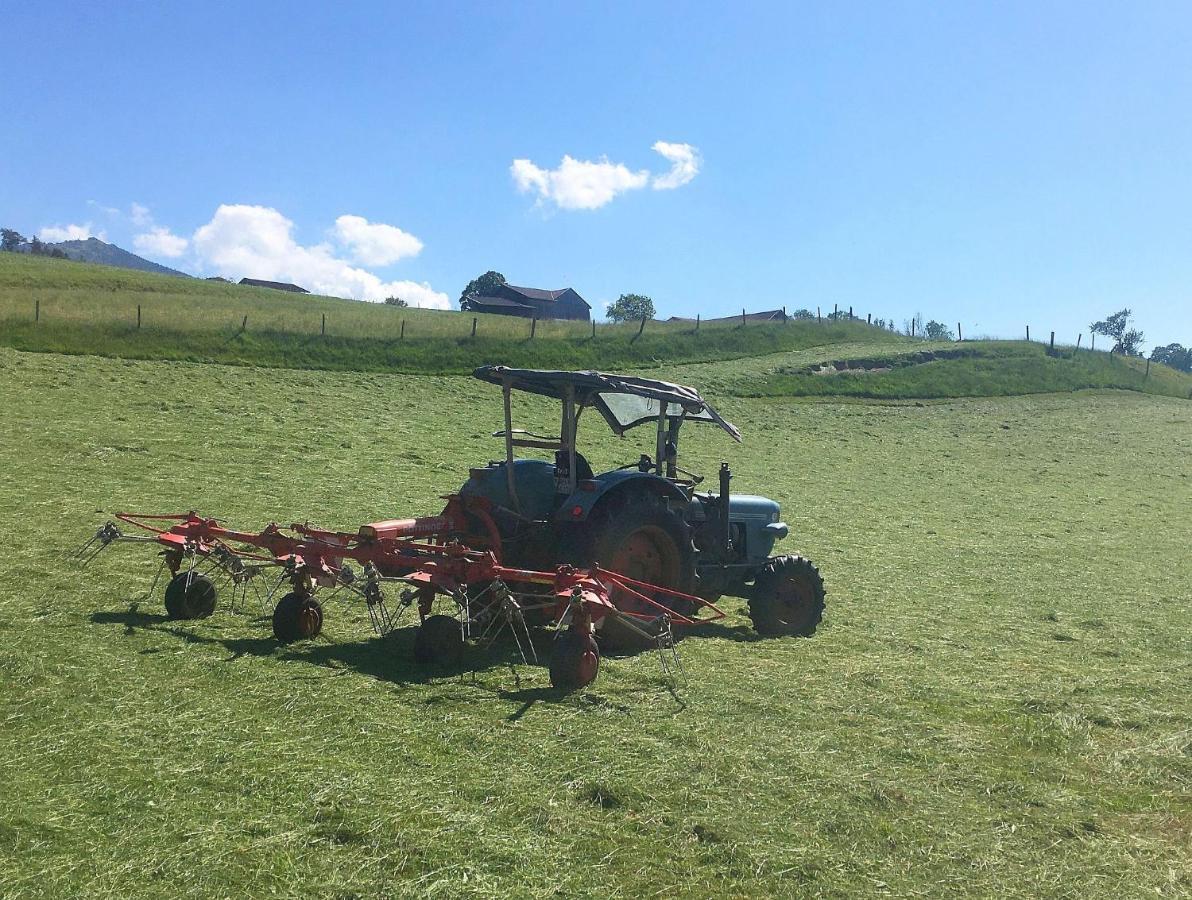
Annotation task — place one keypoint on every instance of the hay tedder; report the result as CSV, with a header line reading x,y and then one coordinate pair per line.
x,y
619,559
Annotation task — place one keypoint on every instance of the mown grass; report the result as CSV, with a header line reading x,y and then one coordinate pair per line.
x,y
997,704
86,309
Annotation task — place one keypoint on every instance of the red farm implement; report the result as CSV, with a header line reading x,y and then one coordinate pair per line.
x,y
426,557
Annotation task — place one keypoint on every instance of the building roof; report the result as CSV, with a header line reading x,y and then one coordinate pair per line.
x,y
540,294
276,285
769,315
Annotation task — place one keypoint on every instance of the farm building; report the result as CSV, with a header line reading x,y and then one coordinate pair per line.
x,y
769,315
530,303
275,285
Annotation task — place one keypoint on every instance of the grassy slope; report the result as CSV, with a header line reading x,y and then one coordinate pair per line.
x,y
997,704
987,369
93,310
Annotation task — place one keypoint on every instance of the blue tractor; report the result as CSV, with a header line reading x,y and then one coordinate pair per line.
x,y
647,519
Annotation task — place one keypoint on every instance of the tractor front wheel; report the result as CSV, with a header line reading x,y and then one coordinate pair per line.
x,y
297,616
575,661
190,595
787,598
438,641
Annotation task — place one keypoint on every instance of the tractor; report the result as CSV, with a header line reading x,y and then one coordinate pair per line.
x,y
610,561
647,519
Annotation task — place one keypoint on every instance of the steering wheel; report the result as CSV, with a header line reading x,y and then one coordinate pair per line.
x,y
643,464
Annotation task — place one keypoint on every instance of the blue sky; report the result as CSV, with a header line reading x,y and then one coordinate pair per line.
x,y
998,164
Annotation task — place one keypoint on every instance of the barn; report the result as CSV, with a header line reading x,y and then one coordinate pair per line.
x,y
530,303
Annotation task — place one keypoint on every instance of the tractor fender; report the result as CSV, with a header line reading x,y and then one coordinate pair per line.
x,y
591,493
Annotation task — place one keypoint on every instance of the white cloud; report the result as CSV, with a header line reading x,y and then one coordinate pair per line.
x,y
140,215
258,242
159,241
54,233
373,243
581,184
577,184
685,162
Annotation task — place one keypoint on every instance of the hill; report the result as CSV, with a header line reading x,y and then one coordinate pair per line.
x,y
97,310
93,250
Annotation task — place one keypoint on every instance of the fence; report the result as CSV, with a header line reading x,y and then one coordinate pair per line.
x,y
511,327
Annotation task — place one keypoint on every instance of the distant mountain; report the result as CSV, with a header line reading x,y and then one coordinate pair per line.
x,y
93,250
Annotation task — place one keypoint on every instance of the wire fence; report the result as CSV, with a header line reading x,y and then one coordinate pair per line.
x,y
401,323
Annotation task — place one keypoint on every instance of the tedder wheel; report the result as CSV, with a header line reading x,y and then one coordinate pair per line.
x,y
575,661
297,616
438,641
787,598
647,541
190,595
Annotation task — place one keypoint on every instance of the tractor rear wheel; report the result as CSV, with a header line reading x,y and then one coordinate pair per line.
x,y
296,617
190,595
575,661
643,539
787,598
438,641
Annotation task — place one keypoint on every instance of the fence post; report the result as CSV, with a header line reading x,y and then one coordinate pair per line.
x,y
742,315
533,326
244,323
959,333
868,318
473,326
850,313
912,326
36,311
1078,337
642,326
818,318
1052,346
593,329
697,323
1028,332
784,315
1148,368
323,327
138,317
1092,340
835,311
403,328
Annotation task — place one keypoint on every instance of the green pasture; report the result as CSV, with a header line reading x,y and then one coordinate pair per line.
x,y
997,704
74,308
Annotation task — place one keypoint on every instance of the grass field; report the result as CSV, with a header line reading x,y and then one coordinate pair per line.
x,y
87,309
997,704
92,310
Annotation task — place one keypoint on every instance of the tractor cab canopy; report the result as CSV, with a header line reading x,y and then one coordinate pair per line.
x,y
625,401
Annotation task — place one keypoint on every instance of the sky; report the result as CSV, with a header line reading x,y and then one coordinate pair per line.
x,y
994,164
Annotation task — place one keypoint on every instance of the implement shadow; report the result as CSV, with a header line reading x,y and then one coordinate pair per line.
x,y
391,659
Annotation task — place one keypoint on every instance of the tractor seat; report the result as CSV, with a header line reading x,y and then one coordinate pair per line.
x,y
583,469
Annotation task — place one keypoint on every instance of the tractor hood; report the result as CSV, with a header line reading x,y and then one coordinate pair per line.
x,y
625,401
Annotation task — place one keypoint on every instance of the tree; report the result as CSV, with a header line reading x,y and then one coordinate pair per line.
x,y
630,308
483,286
36,247
938,331
10,240
1175,355
1126,339
802,315
395,301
